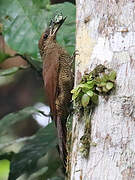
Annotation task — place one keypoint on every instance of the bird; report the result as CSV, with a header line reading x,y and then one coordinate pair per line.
x,y
58,76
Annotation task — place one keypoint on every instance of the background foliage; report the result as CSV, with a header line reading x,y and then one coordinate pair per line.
x,y
21,24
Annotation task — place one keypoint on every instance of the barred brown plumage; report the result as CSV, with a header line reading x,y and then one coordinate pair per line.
x,y
58,80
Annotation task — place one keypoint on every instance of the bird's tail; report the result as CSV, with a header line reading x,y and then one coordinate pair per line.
x,y
61,130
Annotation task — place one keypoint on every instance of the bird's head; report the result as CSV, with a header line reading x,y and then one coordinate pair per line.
x,y
50,34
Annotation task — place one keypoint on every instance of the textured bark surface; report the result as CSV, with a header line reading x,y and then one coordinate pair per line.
x,y
106,35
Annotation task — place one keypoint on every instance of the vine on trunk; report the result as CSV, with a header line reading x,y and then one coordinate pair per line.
x,y
99,82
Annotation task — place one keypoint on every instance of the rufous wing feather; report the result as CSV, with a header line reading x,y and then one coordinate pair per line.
x,y
50,76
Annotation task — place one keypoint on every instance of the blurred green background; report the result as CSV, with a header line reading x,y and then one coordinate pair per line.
x,y
28,148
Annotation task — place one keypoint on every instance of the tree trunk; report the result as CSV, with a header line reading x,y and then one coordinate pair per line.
x,y
106,35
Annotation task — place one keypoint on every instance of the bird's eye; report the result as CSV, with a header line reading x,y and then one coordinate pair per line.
x,y
45,36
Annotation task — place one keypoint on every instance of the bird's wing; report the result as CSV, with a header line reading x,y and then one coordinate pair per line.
x,y
50,76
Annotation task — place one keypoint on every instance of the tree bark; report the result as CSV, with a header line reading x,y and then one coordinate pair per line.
x,y
106,35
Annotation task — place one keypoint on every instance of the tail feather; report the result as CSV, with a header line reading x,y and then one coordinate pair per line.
x,y
61,131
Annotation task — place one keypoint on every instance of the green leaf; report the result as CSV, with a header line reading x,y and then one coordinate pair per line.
x,y
3,56
20,29
105,78
91,83
7,155
37,64
94,99
86,86
12,118
43,4
98,80
9,71
25,20
75,93
38,173
85,100
4,169
27,158
109,85
104,89
101,84
112,76
53,163
74,90
90,93
66,34
57,178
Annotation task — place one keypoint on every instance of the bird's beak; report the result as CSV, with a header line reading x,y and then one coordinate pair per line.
x,y
56,24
